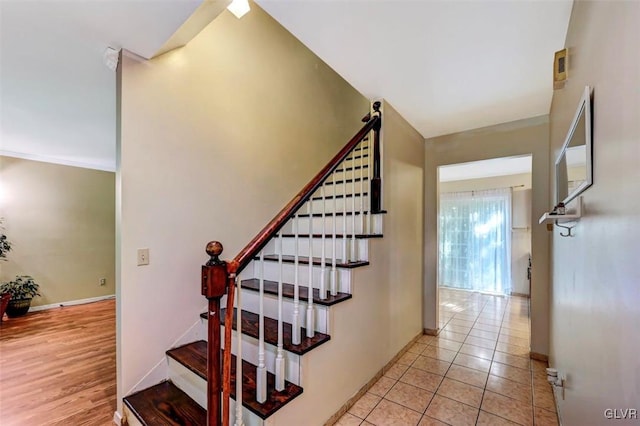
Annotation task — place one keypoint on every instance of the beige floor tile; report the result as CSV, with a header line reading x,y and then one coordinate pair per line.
x,y
407,358
430,421
422,379
508,408
543,398
410,396
447,344
512,360
366,423
452,412
417,348
486,327
349,420
382,386
389,413
489,335
514,332
539,366
466,316
478,341
467,375
542,417
432,365
516,341
439,353
488,419
461,392
396,371
509,388
474,362
477,351
462,323
457,328
512,373
512,349
494,322
425,338
364,405
450,335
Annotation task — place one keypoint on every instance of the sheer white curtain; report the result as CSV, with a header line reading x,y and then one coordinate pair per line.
x,y
475,240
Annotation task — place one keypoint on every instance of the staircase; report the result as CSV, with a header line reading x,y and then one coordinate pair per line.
x,y
288,280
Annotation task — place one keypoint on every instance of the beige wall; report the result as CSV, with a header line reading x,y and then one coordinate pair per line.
x,y
214,139
62,224
521,137
595,307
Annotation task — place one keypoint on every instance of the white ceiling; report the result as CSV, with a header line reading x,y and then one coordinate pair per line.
x,y
445,65
486,168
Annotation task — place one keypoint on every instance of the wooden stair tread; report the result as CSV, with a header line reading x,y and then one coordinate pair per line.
x,y
348,169
250,327
339,182
271,287
304,260
337,214
196,352
327,197
330,236
165,404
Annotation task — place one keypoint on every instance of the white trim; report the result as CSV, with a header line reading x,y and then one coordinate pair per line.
x,y
71,303
117,418
56,160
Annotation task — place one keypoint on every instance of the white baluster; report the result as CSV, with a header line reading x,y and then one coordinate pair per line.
x,y
239,354
368,218
333,287
323,269
295,323
353,252
345,241
362,197
261,375
310,315
280,352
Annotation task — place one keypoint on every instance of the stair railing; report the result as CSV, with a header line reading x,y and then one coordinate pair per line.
x,y
220,277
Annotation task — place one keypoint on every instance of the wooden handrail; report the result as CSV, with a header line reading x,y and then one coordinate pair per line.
x,y
253,248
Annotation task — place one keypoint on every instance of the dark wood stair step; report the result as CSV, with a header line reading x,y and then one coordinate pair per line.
x,y
357,157
330,197
271,287
329,236
348,169
304,260
338,182
165,404
194,357
337,214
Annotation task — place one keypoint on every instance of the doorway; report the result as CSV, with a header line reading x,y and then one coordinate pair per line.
x,y
484,230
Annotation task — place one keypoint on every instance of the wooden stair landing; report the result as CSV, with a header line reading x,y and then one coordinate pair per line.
x,y
194,357
165,404
250,327
271,287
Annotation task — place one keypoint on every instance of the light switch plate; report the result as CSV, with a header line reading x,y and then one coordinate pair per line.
x,y
143,256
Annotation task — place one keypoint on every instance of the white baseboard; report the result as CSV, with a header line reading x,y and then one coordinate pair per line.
x,y
117,418
71,303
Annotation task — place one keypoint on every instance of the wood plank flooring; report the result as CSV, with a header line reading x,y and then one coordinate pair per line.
x,y
58,367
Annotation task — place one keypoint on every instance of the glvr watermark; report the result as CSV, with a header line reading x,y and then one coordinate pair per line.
x,y
621,414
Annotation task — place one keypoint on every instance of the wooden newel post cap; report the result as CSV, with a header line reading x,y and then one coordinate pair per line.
x,y
214,250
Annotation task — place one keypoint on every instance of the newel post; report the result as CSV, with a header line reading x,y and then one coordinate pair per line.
x,y
376,180
214,286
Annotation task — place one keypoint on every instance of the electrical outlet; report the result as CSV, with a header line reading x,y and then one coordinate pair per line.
x,y
103,281
143,256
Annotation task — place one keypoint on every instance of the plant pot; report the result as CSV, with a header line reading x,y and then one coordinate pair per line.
x,y
18,307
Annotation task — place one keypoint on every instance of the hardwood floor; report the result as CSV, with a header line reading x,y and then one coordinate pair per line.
x,y
58,367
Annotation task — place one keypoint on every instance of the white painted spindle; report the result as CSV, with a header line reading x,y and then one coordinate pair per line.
x,y
310,315
333,287
345,241
295,323
280,351
353,252
261,375
369,158
239,353
323,256
362,197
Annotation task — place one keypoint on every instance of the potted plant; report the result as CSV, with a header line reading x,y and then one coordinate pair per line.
x,y
22,289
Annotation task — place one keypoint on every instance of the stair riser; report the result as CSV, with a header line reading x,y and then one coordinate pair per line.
x,y
288,247
272,272
318,224
196,388
344,188
251,302
350,162
316,205
348,174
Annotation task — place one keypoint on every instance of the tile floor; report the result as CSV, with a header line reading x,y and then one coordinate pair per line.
x,y
477,371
